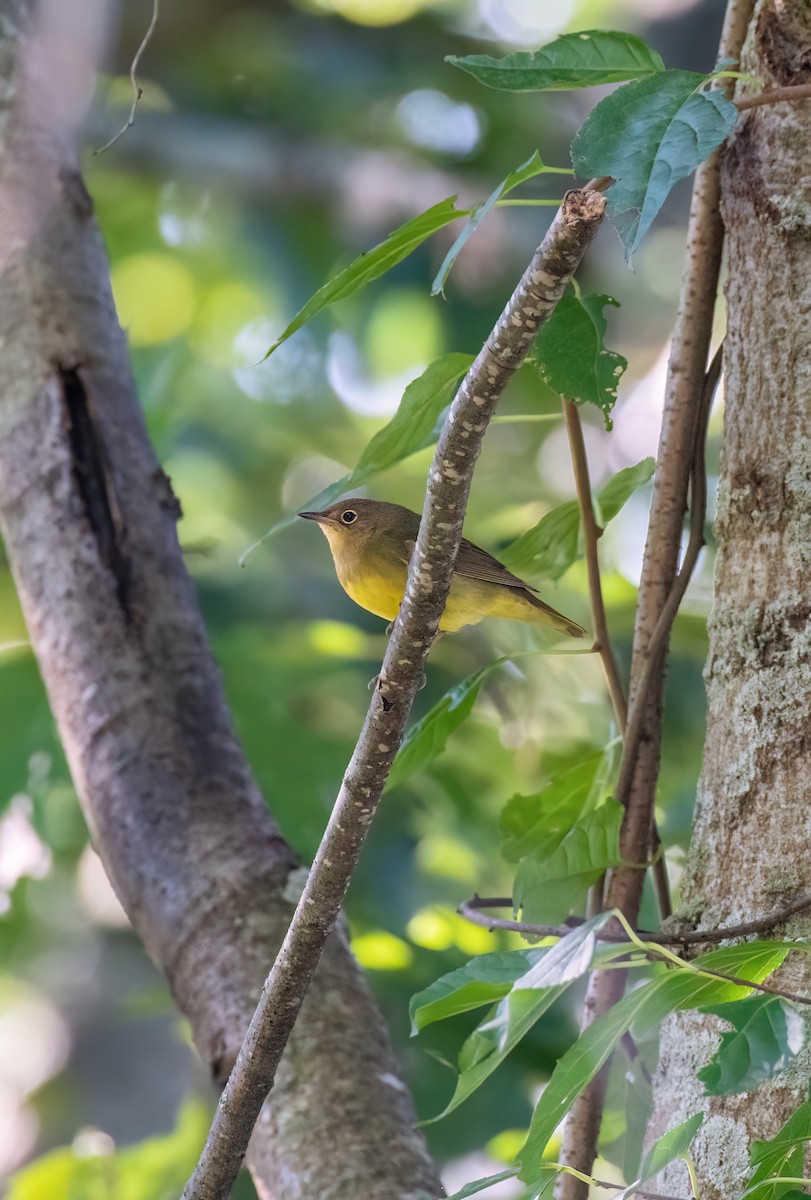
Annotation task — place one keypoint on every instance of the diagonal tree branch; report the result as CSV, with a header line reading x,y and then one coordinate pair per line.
x,y
414,631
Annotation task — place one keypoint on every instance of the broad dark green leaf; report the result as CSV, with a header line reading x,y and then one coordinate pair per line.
x,y
481,1185
756,1049
373,263
648,135
543,819
670,1146
548,889
549,548
573,60
428,737
528,170
571,356
645,1006
483,980
413,427
781,1155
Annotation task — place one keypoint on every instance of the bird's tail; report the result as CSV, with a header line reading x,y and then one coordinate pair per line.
x,y
553,619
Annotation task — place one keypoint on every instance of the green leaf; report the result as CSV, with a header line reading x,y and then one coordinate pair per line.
x,y
547,890
528,170
427,738
549,548
646,1006
573,60
756,1049
413,427
781,1155
545,817
674,1144
495,1037
618,491
373,263
647,136
571,357
483,980
156,1169
570,958
480,1185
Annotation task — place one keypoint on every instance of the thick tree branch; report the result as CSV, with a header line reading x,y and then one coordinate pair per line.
x,y
414,631
683,392
89,524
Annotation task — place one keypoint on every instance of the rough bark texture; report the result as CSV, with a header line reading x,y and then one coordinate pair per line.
x,y
749,849
88,518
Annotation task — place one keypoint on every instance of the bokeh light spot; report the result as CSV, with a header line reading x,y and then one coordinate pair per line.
x,y
155,297
381,951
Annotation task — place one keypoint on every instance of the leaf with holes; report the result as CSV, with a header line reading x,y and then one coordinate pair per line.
x,y
648,135
571,357
573,60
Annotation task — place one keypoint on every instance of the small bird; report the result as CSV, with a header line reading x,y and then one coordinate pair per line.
x,y
372,542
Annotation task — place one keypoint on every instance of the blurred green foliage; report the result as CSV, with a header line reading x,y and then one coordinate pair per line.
x,y
274,144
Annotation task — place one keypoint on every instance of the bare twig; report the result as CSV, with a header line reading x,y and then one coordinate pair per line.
x,y
137,90
685,386
429,578
472,911
799,91
591,534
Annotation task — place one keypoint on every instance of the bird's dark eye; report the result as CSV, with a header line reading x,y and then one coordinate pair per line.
x,y
348,516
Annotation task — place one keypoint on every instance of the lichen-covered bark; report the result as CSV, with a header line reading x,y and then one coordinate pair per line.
x,y
749,851
88,519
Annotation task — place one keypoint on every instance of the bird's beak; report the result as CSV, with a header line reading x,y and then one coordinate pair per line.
x,y
312,516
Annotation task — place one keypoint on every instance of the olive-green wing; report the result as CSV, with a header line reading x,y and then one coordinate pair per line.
x,y
476,563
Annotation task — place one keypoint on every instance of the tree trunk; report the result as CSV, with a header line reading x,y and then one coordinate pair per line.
x,y
749,851
88,519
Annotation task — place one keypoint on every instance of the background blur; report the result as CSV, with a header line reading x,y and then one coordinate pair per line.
x,y
273,143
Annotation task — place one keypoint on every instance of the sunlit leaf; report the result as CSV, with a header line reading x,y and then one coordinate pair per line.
x,y
648,135
528,170
670,1146
781,1155
573,60
755,1049
547,889
549,548
483,980
571,356
155,1169
570,958
375,262
481,1185
645,1006
545,817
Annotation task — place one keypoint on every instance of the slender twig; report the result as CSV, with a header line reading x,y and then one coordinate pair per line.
x,y
467,910
429,578
591,535
661,633
799,91
471,910
137,90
